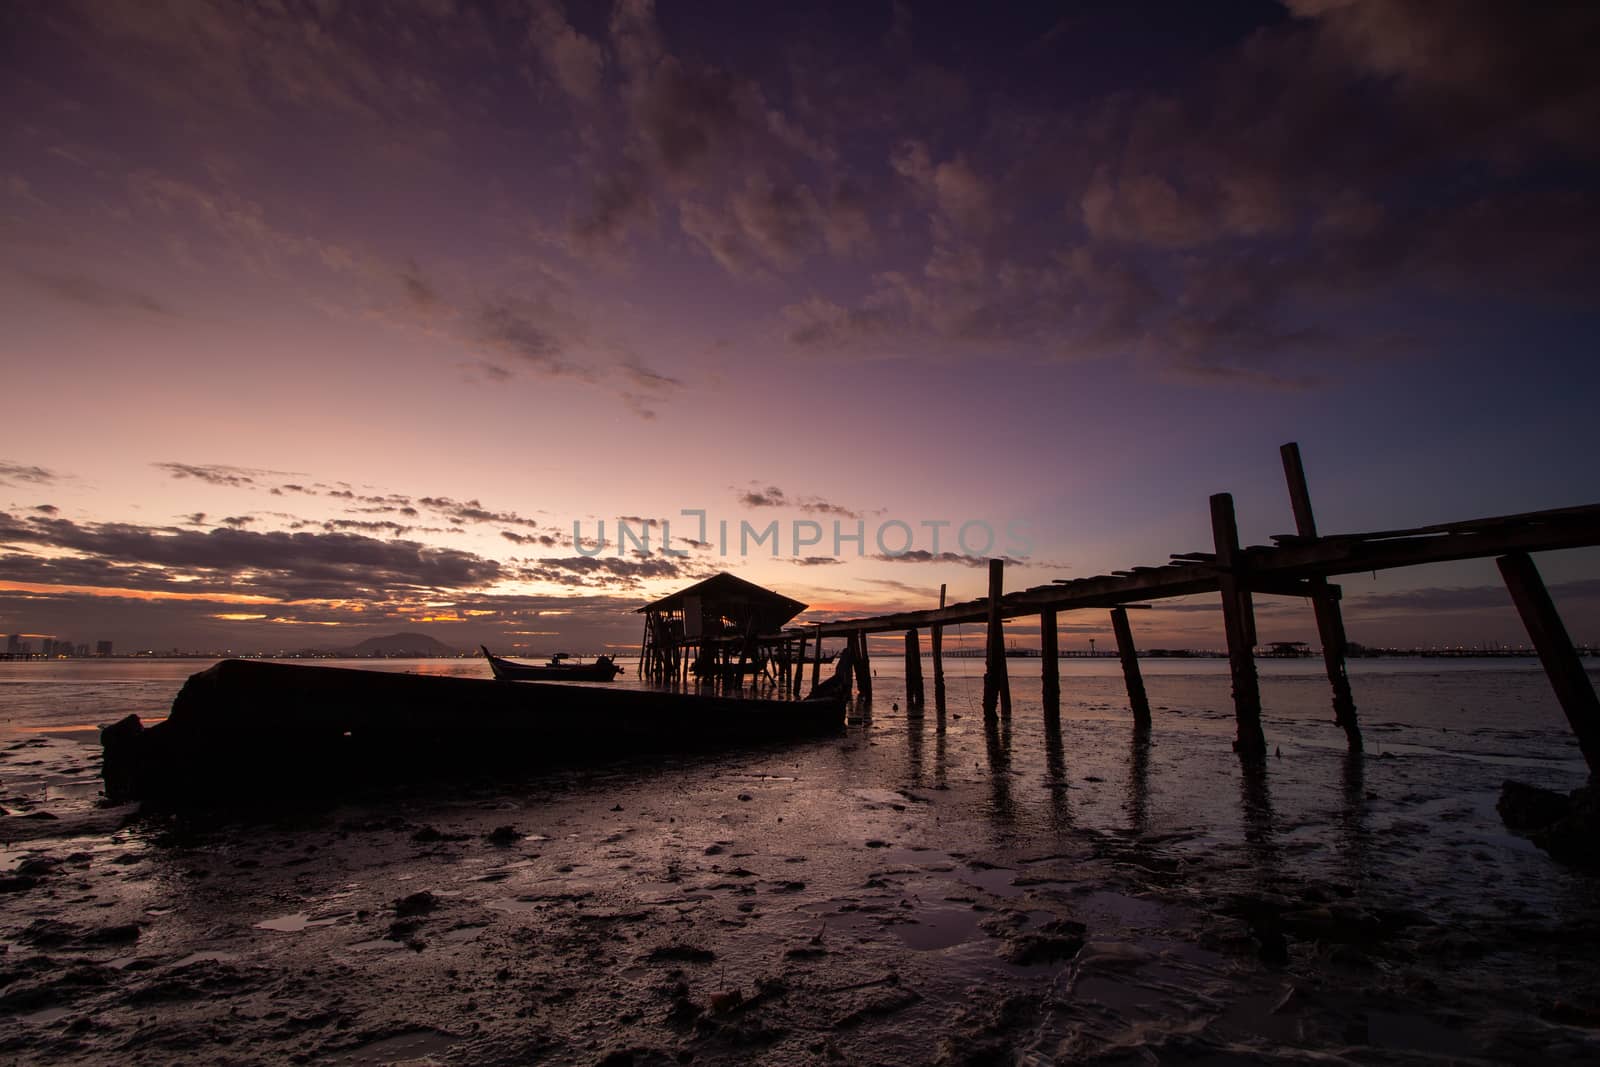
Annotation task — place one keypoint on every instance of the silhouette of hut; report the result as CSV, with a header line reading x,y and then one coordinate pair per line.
x,y
714,628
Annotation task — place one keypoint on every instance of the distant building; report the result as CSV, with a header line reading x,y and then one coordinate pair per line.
x,y
13,644
102,648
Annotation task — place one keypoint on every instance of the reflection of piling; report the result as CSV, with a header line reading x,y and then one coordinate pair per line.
x,y
1560,659
1239,623
913,670
1130,668
1050,655
996,683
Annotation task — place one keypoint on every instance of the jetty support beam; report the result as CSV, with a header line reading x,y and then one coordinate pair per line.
x,y
1330,619
1129,655
1238,619
1560,659
936,641
913,669
863,665
1050,653
996,683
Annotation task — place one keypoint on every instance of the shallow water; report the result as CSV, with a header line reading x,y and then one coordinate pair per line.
x,y
907,893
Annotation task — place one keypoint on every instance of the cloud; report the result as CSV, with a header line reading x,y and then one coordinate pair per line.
x,y
218,473
773,497
1465,598
288,566
26,474
922,555
574,61
84,291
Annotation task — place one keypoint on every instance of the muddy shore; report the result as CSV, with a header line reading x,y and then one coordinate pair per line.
x,y
923,891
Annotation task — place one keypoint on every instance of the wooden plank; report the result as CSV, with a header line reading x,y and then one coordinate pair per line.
x,y
1137,700
1050,654
1249,741
1561,663
1330,619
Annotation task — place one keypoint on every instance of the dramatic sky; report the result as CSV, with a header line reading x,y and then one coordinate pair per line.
x,y
329,319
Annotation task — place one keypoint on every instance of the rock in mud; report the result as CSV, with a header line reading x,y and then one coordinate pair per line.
x,y
1566,827
416,904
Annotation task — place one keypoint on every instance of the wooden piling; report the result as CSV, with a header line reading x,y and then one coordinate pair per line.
x,y
996,683
1050,655
913,669
863,665
816,664
1238,618
936,640
1560,659
1130,668
1330,619
799,667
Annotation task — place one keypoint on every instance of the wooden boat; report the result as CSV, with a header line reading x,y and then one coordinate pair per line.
x,y
603,669
265,732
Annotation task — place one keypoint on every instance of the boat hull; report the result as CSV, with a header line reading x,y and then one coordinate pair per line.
x,y
246,729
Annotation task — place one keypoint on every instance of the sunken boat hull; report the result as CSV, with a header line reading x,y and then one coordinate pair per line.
x,y
250,730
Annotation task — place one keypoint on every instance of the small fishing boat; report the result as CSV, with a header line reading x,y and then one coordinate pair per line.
x,y
265,732
603,669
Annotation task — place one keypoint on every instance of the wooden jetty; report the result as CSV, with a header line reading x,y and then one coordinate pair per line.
x,y
1294,565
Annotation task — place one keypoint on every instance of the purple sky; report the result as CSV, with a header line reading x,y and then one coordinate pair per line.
x,y
324,320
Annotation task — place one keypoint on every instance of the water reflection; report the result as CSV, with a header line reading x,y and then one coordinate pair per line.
x,y
1139,781
916,724
1353,834
997,747
1055,765
1255,799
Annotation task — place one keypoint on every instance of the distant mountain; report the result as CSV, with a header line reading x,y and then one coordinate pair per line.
x,y
402,646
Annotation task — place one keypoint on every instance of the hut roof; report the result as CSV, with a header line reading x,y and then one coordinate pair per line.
x,y
727,589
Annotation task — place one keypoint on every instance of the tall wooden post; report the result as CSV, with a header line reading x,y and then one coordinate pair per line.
x,y
1330,620
913,669
996,684
1238,619
1050,654
1130,668
816,664
799,668
1560,659
863,665
936,640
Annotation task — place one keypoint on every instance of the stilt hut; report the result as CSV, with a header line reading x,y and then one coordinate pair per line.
x,y
722,628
